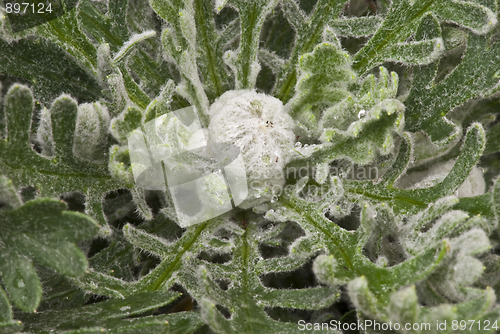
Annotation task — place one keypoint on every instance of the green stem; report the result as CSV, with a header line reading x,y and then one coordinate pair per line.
x,y
248,45
201,8
166,269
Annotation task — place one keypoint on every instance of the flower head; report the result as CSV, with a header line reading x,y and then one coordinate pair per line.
x,y
259,125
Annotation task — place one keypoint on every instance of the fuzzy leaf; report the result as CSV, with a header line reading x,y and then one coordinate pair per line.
x,y
470,14
49,80
63,116
415,53
8,194
309,30
162,276
91,132
496,199
51,177
428,103
116,315
18,111
247,315
129,120
493,140
404,245
356,26
48,238
5,308
244,61
324,76
210,56
130,44
180,43
347,257
362,139
417,199
60,30
21,281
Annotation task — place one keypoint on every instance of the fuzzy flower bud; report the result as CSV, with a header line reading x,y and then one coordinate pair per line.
x,y
263,131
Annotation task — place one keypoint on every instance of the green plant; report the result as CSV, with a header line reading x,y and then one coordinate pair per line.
x,y
404,89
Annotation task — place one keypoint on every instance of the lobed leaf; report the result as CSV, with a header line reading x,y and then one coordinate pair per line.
x,y
117,316
51,177
180,43
48,238
413,200
428,104
472,15
309,33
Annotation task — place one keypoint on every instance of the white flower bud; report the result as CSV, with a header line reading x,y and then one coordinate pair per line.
x,y
263,131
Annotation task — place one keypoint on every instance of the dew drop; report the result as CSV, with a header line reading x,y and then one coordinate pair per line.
x,y
361,113
178,48
298,144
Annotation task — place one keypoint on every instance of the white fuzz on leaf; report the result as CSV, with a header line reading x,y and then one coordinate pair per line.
x,y
474,185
